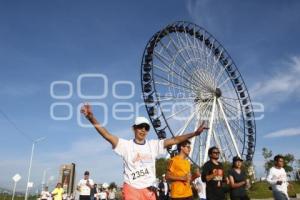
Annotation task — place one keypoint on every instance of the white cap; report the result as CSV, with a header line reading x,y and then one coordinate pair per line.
x,y
105,185
141,120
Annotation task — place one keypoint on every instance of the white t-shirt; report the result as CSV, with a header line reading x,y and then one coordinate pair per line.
x,y
166,188
139,161
83,188
45,194
103,195
201,187
112,194
278,175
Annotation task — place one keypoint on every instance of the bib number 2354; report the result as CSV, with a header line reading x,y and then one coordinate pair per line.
x,y
140,173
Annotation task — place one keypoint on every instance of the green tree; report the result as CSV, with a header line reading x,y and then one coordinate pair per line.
x,y
288,162
267,154
161,167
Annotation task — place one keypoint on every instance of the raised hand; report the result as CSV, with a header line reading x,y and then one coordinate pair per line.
x,y
201,128
86,110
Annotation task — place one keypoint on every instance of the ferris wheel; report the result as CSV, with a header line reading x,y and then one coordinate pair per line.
x,y
188,77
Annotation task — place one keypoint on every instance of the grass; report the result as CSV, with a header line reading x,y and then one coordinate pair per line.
x,y
260,190
9,197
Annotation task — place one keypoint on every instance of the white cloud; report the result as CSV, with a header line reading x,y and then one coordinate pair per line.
x,y
281,86
212,16
284,133
200,12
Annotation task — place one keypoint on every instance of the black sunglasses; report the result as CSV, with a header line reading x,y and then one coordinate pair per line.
x,y
216,152
141,126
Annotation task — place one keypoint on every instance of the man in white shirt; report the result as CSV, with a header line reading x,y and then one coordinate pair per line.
x,y
138,155
84,187
278,179
45,194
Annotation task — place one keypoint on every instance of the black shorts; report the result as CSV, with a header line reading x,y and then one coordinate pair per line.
x,y
184,198
84,197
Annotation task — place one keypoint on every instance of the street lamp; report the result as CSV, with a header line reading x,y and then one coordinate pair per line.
x,y
16,179
29,170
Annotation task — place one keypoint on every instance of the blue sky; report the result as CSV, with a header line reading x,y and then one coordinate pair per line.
x,y
46,41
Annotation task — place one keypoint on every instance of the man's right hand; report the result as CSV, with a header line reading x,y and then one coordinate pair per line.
x,y
86,110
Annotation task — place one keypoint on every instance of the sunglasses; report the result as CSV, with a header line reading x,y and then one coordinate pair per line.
x,y
216,152
141,126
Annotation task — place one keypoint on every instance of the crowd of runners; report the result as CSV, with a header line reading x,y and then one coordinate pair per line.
x,y
139,155
86,189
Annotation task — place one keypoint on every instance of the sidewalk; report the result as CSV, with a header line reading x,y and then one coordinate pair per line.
x,y
273,199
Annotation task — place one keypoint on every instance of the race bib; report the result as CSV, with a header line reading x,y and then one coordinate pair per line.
x,y
140,173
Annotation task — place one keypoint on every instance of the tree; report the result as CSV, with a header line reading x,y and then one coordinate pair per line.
x,y
288,162
161,167
267,154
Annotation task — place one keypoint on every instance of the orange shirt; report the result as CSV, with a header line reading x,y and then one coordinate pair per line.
x,y
180,167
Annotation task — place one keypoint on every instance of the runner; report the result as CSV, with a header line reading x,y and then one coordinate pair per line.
x,y
58,192
84,187
278,179
45,194
179,173
213,176
238,180
138,155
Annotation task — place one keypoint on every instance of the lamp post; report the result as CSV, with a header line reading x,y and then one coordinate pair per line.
x,y
16,179
30,164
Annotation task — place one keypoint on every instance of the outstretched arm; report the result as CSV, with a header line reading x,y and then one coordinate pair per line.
x,y
181,138
86,110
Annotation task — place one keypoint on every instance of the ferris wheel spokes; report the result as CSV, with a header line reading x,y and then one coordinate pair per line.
x,y
207,143
163,60
197,124
229,129
217,141
183,129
